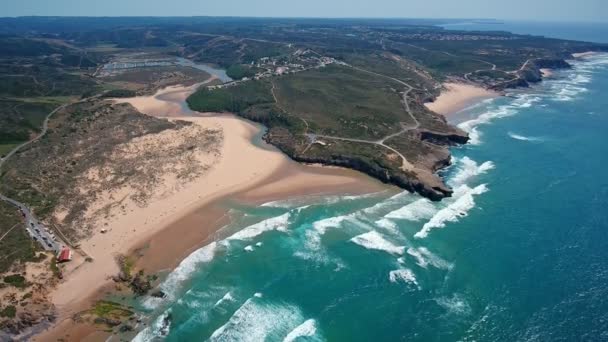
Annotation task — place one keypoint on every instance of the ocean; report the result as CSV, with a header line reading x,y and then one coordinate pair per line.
x,y
519,253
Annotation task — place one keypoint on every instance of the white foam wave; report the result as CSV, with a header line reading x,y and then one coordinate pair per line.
x,y
248,248
321,226
278,223
454,305
278,204
158,329
226,298
387,225
523,138
418,210
374,240
387,203
306,329
256,321
424,257
471,126
403,274
467,169
464,201
185,269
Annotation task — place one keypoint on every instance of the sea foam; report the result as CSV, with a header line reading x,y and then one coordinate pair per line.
x,y
456,304
185,269
471,126
375,240
306,329
274,223
226,298
424,258
405,275
523,138
418,210
257,320
464,202
467,169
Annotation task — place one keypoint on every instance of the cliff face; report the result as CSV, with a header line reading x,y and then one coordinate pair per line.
x,y
531,73
427,151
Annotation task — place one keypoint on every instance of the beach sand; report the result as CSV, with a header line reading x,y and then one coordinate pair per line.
x,y
458,96
171,226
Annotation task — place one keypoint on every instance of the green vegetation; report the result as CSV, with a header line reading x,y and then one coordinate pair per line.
x,y
238,71
15,280
231,99
338,100
126,264
21,119
119,93
6,148
54,268
9,311
112,310
16,246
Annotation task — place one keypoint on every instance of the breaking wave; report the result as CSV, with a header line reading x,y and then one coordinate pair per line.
x,y
375,240
424,257
274,223
404,275
227,298
306,329
416,211
471,126
467,169
182,272
158,329
464,201
257,320
523,138
454,305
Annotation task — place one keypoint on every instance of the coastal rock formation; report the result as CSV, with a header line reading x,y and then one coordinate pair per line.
x,y
531,72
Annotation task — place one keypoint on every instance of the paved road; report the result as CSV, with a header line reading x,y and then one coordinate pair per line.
x,y
35,229
45,128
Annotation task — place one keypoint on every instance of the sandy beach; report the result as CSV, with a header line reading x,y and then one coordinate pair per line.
x,y
183,218
458,96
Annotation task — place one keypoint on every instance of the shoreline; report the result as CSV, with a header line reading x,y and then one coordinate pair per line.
x,y
268,175
584,54
455,97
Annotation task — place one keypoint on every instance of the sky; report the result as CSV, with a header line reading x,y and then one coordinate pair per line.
x,y
543,10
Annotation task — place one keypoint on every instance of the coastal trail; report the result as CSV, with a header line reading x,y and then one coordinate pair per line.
x,y
312,137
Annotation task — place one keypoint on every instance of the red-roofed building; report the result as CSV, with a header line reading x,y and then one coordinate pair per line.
x,y
64,255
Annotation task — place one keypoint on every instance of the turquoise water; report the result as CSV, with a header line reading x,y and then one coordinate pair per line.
x,y
519,253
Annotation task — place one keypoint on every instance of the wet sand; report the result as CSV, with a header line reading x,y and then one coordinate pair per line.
x,y
458,96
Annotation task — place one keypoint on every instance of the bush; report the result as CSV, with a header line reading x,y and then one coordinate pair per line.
x,y
120,93
238,71
9,311
16,280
